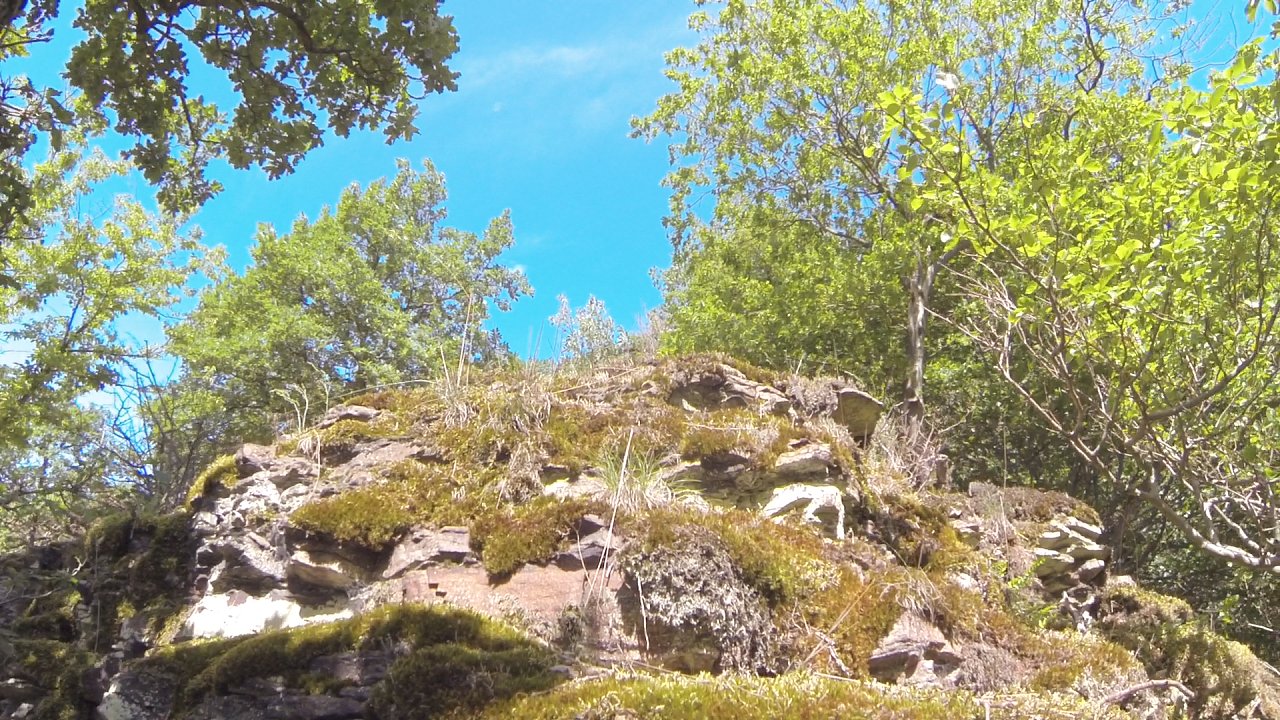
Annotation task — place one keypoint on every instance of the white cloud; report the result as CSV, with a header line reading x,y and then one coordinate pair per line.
x,y
564,62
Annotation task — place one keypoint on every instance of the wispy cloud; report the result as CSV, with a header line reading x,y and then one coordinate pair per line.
x,y
563,62
604,57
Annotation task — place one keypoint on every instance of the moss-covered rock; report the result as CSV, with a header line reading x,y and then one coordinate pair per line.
x,y
1166,636
221,473
56,669
689,601
457,641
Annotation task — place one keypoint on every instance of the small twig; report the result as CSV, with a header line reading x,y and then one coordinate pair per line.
x,y
644,616
1119,697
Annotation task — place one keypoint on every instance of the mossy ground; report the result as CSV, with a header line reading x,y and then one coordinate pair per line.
x,y
796,695
57,667
498,433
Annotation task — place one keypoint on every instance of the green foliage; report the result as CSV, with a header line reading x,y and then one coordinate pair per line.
x,y
77,275
814,213
586,334
779,294
374,291
295,69
1126,265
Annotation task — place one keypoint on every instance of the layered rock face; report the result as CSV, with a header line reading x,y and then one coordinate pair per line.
x,y
524,545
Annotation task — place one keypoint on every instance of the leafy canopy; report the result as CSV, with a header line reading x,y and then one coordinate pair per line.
x,y
294,68
77,277
374,291
1131,261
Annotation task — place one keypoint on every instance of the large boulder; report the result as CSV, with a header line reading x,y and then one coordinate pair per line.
x,y
692,608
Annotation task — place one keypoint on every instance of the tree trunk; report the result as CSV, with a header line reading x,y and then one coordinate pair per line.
x,y
919,287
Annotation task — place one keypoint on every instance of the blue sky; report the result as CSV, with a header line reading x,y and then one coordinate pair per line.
x,y
539,125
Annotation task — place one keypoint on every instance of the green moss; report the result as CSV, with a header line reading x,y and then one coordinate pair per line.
x,y
850,619
109,536
1065,658
353,431
208,667
139,564
371,517
57,667
220,473
375,516
507,539
783,563
1170,642
576,435
49,616
444,680
795,695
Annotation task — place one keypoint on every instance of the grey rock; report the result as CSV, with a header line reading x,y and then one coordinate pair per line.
x,y
359,668
228,707
1050,563
590,524
315,707
252,459
915,652
722,386
1089,570
337,414
423,546
968,531
20,690
204,523
1080,527
267,687
290,471
321,569
138,695
1088,551
552,472
245,561
1058,539
359,693
590,552
810,460
690,603
857,411
820,505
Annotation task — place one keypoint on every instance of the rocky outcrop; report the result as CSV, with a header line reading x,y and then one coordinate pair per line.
x,y
719,386
692,516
